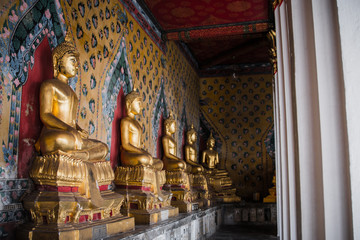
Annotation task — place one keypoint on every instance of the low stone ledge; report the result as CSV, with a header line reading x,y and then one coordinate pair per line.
x,y
196,225
249,213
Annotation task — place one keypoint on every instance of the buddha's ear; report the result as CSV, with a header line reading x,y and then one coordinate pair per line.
x,y
56,68
128,105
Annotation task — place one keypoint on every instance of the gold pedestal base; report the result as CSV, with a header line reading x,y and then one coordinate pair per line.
x,y
149,217
220,187
269,199
145,200
197,196
182,199
205,203
178,183
80,231
72,200
185,207
230,199
226,196
48,207
200,190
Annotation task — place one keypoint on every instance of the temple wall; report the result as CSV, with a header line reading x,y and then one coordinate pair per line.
x,y
239,112
116,53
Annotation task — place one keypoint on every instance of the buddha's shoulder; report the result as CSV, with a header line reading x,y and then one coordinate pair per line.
x,y
52,83
128,119
168,137
210,152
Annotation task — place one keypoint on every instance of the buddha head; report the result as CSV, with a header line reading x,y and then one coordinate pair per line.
x,y
170,126
133,102
65,59
210,142
191,135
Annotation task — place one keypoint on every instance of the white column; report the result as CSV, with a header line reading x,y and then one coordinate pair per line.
x,y
290,124
285,234
349,21
332,121
308,122
277,155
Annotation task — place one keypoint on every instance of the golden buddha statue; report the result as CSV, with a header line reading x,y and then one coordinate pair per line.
x,y
177,178
210,158
71,175
140,176
58,106
198,181
271,198
221,184
131,152
171,161
191,152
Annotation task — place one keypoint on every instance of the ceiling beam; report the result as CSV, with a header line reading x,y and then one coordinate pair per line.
x,y
244,48
216,31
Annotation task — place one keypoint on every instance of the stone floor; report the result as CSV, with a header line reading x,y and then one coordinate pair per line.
x,y
251,232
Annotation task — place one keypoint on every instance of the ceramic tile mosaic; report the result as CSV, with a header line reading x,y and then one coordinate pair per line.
x,y
239,112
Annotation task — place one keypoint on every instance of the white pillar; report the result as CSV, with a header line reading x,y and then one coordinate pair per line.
x,y
277,155
285,234
314,167
337,204
349,21
308,122
290,124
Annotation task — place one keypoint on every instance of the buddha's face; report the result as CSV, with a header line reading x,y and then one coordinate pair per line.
x,y
136,106
192,138
68,66
211,143
172,127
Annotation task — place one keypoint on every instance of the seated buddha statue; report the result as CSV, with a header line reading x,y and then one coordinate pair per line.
x,y
131,152
191,152
178,180
171,161
140,177
71,174
58,106
198,180
210,159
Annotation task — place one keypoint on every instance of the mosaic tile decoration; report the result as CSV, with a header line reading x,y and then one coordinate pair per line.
x,y
12,192
166,82
24,26
240,111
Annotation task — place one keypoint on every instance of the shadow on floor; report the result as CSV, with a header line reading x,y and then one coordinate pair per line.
x,y
252,232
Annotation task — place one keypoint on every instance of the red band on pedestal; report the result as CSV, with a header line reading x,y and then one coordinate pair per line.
x,y
57,188
134,187
103,187
65,188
